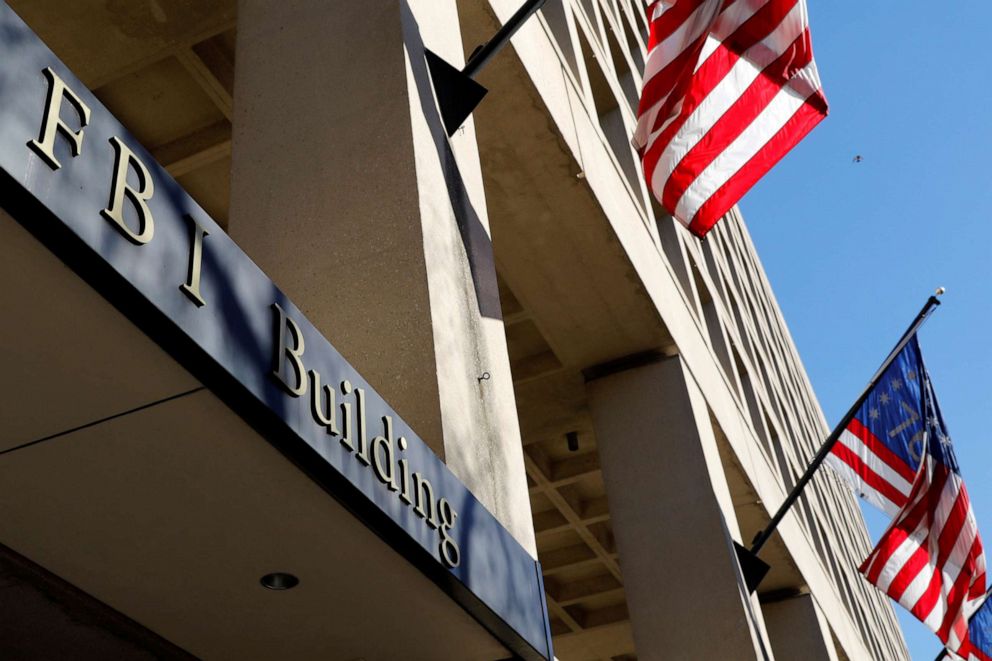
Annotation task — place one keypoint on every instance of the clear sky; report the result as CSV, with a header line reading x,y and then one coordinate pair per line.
x,y
854,249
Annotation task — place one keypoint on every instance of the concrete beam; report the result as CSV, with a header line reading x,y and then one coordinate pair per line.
x,y
196,150
213,72
347,191
798,630
672,516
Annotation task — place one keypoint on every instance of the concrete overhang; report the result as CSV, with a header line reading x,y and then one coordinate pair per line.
x,y
122,474
551,235
152,459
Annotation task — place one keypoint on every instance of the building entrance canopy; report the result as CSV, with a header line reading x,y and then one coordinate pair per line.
x,y
77,180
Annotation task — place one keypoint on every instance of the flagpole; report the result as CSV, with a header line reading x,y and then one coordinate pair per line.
x,y
457,92
764,535
481,56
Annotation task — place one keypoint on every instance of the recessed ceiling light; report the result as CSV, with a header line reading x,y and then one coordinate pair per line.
x,y
279,581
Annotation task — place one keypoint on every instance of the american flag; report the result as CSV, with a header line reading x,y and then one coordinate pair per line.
x,y
897,454
730,86
879,451
978,647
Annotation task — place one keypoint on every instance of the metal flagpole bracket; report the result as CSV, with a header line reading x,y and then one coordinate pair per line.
x,y
457,94
752,567
456,90
748,558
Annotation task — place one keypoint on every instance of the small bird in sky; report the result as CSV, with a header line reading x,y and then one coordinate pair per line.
x,y
858,158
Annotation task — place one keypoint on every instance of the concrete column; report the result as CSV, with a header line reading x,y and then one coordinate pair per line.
x,y
798,631
672,517
345,189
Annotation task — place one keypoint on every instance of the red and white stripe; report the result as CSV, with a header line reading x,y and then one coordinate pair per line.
x,y
878,475
977,646
930,559
730,86
971,653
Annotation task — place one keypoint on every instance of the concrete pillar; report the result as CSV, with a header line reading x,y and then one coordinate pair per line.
x,y
672,517
797,630
345,189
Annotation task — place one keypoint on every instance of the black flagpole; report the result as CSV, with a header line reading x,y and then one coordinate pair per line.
x,y
755,569
457,91
481,56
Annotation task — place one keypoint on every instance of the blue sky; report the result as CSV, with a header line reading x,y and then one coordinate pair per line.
x,y
854,249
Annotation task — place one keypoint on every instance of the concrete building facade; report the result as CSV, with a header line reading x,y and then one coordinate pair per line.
x,y
600,403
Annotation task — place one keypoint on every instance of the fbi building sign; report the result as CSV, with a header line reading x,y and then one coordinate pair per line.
x,y
73,176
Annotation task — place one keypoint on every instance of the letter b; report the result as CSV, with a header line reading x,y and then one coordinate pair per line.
x,y
287,364
139,197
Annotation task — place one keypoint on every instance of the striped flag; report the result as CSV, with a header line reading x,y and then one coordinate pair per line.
x,y
897,454
730,86
879,451
978,647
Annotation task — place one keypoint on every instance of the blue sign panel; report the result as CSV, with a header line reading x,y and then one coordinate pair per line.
x,y
81,183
